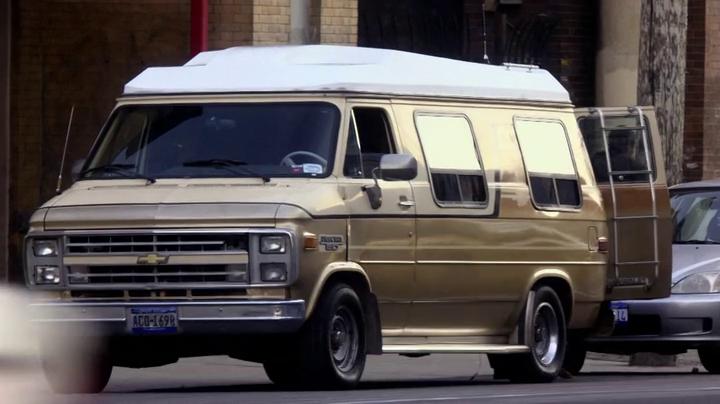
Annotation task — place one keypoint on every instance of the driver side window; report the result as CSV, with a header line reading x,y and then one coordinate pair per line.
x,y
369,137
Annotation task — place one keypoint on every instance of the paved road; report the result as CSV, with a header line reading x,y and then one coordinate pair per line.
x,y
395,380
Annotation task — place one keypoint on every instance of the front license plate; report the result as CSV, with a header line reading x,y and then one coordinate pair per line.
x,y
153,320
620,311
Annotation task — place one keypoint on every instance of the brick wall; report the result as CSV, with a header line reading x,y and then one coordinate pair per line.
x,y
271,22
712,91
230,23
694,92
576,39
267,22
338,22
77,52
570,50
473,47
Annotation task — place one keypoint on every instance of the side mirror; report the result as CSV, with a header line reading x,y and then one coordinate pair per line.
x,y
398,167
77,167
393,167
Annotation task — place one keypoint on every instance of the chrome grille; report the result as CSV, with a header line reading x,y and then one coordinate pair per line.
x,y
151,243
157,274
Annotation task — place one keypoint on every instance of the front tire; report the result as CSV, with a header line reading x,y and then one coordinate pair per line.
x,y
547,342
710,359
85,371
331,349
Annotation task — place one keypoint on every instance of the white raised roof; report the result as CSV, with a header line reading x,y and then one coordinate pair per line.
x,y
329,68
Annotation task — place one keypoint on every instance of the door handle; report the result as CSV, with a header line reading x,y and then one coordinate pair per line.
x,y
406,204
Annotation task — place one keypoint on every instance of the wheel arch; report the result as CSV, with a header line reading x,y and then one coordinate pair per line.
x,y
561,283
354,276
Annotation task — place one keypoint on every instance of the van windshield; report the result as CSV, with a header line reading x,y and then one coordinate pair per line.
x,y
217,140
696,217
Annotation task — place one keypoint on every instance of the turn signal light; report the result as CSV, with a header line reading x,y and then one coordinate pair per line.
x,y
310,241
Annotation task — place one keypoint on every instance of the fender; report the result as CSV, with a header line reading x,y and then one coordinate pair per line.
x,y
329,270
517,337
550,273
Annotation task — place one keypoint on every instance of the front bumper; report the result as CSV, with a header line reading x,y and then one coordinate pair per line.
x,y
677,322
194,317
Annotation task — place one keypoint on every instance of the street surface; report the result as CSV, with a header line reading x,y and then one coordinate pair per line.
x,y
396,380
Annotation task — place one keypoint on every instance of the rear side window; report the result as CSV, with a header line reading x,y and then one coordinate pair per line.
x,y
625,146
549,163
456,172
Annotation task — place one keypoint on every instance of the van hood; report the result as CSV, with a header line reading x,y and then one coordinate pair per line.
x,y
185,203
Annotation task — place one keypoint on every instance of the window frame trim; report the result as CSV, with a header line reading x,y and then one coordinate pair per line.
x,y
554,207
459,204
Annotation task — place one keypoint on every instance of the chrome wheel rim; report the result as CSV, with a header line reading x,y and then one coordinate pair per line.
x,y
546,330
344,339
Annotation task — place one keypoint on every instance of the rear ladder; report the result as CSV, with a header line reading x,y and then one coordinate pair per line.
x,y
618,263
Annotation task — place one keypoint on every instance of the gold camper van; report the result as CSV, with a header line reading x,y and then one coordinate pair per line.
x,y
302,207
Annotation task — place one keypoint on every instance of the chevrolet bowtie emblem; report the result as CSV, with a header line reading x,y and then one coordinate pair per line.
x,y
152,259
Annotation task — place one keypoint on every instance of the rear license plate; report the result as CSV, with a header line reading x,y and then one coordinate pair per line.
x,y
620,311
152,320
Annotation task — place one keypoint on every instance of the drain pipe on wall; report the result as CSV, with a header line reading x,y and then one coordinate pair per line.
x,y
299,22
198,26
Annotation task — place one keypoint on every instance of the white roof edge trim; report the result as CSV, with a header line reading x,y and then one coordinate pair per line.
x,y
329,68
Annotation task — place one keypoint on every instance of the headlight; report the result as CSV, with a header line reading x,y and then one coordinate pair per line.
x,y
273,245
45,248
47,275
704,282
273,272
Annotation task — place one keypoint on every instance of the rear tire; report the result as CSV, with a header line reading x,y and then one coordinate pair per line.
x,y
710,359
547,342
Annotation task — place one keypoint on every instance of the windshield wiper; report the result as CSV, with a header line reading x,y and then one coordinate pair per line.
x,y
124,170
234,166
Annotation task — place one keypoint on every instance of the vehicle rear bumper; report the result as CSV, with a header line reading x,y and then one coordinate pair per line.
x,y
678,322
194,317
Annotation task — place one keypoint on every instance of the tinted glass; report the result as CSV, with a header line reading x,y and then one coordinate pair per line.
x,y
568,193
271,139
446,187
373,131
543,190
449,148
471,188
625,145
353,160
549,163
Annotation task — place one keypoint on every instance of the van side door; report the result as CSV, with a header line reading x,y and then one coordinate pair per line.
x,y
620,143
382,239
454,288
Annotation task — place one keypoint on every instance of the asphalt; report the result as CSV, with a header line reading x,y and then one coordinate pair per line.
x,y
391,379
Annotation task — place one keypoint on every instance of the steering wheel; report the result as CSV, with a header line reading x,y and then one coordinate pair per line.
x,y
288,161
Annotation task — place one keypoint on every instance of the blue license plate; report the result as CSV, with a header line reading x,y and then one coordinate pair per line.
x,y
153,320
620,311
